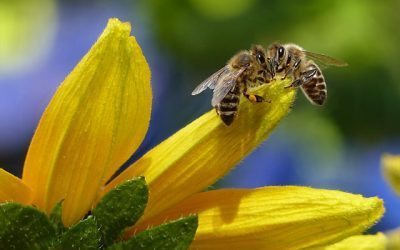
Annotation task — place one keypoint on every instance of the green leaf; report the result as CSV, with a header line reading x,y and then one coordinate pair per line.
x,y
177,235
121,208
55,218
24,227
84,235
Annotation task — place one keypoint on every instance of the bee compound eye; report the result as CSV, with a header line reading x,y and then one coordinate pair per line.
x,y
260,58
281,51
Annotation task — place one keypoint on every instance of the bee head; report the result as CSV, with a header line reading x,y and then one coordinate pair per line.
x,y
277,53
262,58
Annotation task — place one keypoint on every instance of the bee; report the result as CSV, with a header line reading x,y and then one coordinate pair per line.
x,y
244,70
290,60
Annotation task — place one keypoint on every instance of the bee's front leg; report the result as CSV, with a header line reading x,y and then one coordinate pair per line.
x,y
261,78
291,68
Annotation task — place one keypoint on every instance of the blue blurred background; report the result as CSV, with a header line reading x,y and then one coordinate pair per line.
x,y
337,146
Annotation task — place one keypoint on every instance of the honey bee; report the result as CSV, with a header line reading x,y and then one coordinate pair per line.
x,y
290,60
244,70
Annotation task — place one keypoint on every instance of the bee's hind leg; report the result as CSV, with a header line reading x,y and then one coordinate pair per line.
x,y
255,98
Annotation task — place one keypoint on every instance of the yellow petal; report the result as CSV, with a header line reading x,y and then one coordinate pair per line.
x,y
391,170
95,121
393,239
205,150
13,189
361,242
273,217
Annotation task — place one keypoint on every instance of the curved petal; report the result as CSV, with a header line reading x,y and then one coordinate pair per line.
x,y
95,121
205,150
391,171
273,217
13,189
393,237
361,242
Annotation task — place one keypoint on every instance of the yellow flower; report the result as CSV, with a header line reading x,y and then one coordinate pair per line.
x,y
100,115
393,237
391,170
361,242
273,217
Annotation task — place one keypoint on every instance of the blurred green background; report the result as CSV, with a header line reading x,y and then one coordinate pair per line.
x,y
336,146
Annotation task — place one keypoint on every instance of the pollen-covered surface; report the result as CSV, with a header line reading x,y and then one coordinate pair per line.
x,y
95,121
361,242
205,150
286,217
391,171
13,189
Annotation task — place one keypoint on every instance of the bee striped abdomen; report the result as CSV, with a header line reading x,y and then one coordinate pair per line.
x,y
315,88
227,109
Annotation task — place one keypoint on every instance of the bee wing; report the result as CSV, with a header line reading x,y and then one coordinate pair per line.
x,y
226,83
211,81
325,60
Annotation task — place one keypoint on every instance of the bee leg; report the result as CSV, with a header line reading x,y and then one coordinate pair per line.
x,y
292,68
262,80
287,73
265,75
262,77
309,74
255,98
306,76
295,84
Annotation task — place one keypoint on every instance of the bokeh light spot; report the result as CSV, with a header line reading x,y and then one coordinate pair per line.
x,y
26,33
